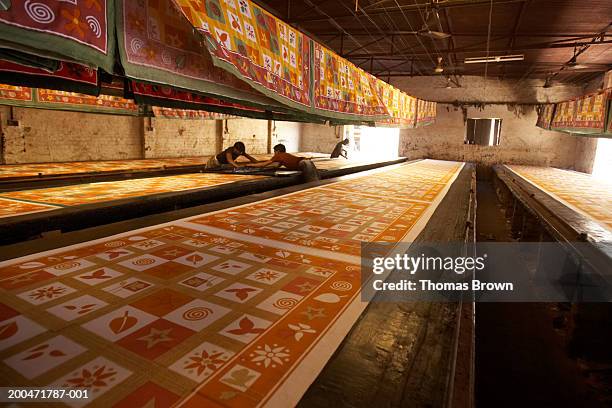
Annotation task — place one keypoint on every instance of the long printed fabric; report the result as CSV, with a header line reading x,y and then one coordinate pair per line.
x,y
204,311
545,115
579,191
426,113
68,77
169,113
343,91
158,45
20,171
591,113
401,106
256,46
76,30
69,101
116,190
564,116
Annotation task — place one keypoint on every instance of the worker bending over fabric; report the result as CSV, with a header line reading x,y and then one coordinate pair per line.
x,y
227,158
291,162
339,150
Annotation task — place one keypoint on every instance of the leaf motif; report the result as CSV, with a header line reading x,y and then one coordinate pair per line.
x,y
246,326
241,293
30,265
33,356
8,330
194,259
123,323
99,274
57,353
115,254
328,298
70,307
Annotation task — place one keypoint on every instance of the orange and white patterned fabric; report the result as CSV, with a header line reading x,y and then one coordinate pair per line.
x,y
115,190
10,208
48,169
579,191
237,308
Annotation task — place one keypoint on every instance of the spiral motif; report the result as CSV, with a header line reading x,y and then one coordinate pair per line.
x,y
39,12
136,45
66,265
114,244
285,303
197,313
144,261
94,24
342,286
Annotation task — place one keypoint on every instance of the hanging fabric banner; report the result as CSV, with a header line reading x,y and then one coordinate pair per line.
x,y
69,76
76,30
401,106
590,113
68,101
257,47
545,115
169,113
343,91
564,116
167,96
426,113
158,45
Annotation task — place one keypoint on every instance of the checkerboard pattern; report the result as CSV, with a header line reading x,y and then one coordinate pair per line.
x,y
47,169
177,313
115,190
579,191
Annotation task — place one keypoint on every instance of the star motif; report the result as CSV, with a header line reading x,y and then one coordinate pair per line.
x,y
156,336
306,287
312,313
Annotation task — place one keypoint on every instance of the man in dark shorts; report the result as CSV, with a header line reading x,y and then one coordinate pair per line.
x,y
339,150
290,162
227,158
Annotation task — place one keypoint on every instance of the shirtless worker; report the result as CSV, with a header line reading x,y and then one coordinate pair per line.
x,y
228,157
339,150
291,162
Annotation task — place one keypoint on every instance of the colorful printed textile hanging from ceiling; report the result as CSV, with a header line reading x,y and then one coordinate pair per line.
x,y
255,46
545,115
426,113
157,44
401,106
79,30
591,113
564,116
168,113
69,76
341,88
61,100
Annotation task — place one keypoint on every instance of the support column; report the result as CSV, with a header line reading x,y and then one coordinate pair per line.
x,y
218,135
270,125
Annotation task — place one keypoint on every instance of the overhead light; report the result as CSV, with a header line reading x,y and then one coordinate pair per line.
x,y
439,68
501,58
